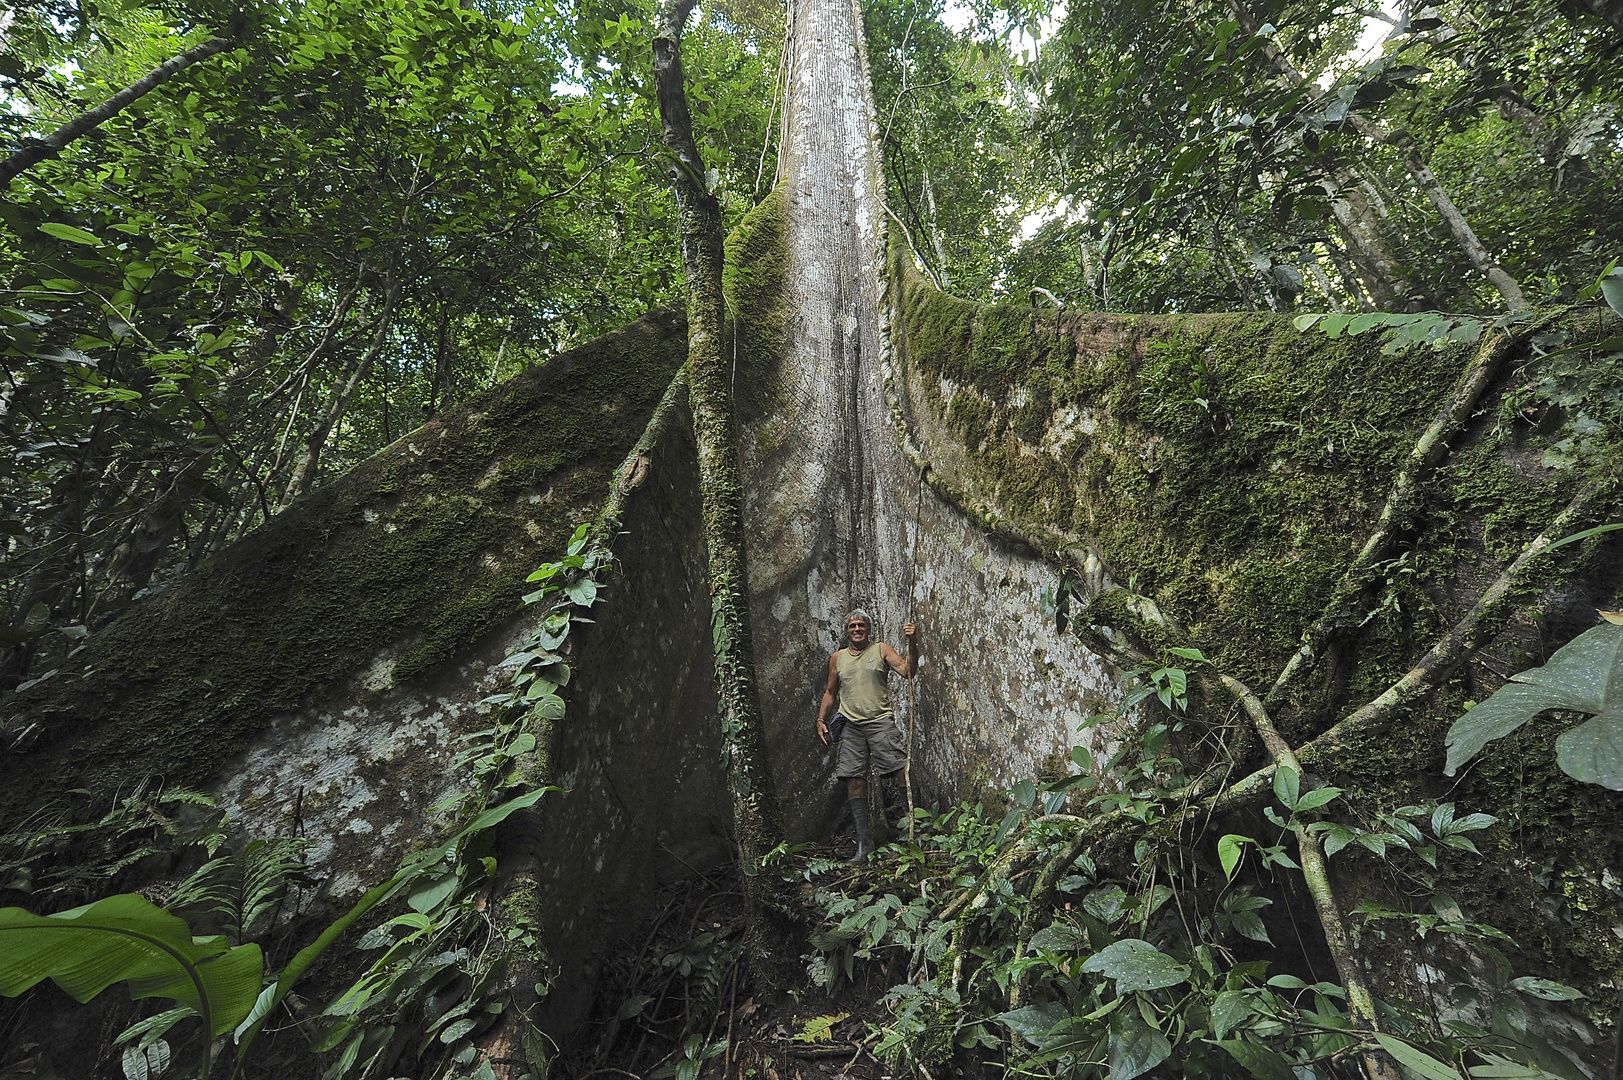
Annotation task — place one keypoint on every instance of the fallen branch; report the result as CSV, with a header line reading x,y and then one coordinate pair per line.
x,y
835,1050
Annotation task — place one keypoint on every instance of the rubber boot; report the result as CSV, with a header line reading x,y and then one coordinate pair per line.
x,y
859,816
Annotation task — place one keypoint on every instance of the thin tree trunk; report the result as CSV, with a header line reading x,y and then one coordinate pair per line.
x,y
1360,1002
756,826
933,222
1409,152
309,461
436,385
53,144
1323,281
1355,288
1484,261
1383,273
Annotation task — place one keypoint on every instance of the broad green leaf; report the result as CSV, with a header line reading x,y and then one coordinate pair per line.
x,y
1135,1048
1230,1009
1593,751
1258,1060
1503,1068
263,1004
1611,287
125,938
1508,709
431,894
1584,675
1059,937
1035,1020
1416,1062
1136,965
1585,671
1106,903
1229,849
498,814
1548,989
1333,325
70,234
1287,786
1317,798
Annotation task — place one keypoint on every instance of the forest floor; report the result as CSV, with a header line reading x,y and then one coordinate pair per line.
x,y
677,1002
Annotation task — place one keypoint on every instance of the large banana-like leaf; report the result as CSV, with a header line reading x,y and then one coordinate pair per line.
x,y
125,938
1585,675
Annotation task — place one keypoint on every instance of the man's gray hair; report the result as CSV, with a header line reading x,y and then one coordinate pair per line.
x,y
858,614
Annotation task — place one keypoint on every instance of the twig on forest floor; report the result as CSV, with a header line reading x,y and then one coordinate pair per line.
x,y
833,1050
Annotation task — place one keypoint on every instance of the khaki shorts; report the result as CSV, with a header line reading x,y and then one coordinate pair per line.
x,y
862,741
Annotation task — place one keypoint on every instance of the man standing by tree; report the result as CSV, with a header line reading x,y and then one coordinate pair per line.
x,y
859,675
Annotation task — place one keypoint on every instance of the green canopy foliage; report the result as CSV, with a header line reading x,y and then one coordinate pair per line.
x,y
295,251
1138,155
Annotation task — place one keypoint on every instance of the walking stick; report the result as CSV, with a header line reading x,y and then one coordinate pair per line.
x,y
912,711
907,771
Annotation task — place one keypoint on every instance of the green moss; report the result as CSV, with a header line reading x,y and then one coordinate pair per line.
x,y
1228,464
424,545
1229,468
757,317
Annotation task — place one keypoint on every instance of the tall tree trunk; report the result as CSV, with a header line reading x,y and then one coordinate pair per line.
x,y
53,144
756,825
309,461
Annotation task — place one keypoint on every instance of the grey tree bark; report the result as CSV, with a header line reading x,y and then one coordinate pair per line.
x,y
832,509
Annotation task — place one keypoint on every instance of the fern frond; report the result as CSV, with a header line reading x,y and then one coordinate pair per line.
x,y
240,887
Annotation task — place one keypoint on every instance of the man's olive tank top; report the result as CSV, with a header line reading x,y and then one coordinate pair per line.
x,y
864,684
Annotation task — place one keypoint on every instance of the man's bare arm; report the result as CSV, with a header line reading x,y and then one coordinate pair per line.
x,y
906,668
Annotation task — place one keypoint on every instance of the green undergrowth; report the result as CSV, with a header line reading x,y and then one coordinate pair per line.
x,y
1226,469
1174,952
423,546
